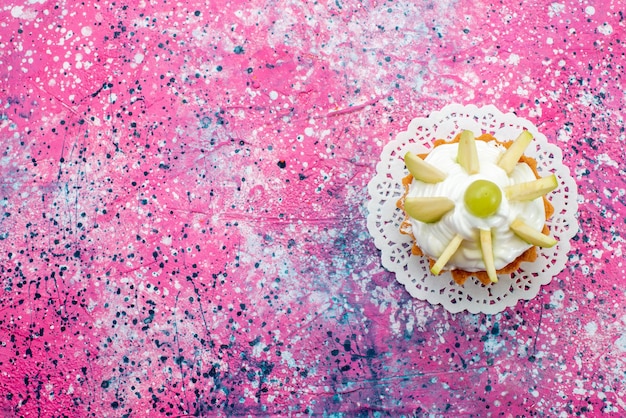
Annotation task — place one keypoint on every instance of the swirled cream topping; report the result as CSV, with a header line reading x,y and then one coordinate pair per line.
x,y
432,238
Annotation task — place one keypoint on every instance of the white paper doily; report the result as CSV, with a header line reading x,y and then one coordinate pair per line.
x,y
384,218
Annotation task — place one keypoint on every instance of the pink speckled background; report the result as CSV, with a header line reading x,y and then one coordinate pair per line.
x,y
183,204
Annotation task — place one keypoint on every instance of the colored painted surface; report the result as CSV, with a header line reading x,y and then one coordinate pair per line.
x,y
183,204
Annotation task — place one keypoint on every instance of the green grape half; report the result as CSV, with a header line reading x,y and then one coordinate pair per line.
x,y
483,198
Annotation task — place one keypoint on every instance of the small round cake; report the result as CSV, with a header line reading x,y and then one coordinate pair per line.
x,y
476,206
466,207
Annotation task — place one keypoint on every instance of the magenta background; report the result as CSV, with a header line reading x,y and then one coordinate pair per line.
x,y
184,200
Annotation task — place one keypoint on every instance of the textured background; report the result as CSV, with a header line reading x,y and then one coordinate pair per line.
x,y
183,203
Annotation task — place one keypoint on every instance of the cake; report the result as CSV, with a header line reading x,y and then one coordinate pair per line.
x,y
476,206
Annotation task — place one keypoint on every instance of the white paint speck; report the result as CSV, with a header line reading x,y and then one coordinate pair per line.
x,y
556,299
564,135
590,10
605,29
522,91
620,343
513,59
555,9
606,159
492,346
17,11
591,328
288,358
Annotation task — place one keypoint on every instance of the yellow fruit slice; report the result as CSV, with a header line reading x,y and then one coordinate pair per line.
x,y
427,209
531,235
421,170
447,253
486,247
511,156
531,189
467,154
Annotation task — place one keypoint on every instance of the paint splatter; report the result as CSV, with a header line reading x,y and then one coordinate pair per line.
x,y
183,208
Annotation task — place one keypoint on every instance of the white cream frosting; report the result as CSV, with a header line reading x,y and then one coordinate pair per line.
x,y
432,238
